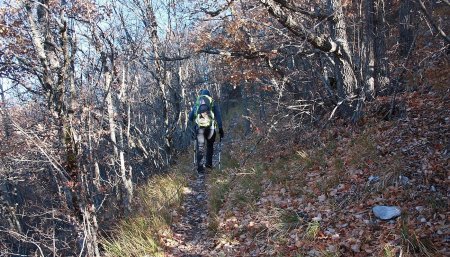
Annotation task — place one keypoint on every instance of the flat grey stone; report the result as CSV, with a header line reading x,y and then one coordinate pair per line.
x,y
373,179
403,180
386,212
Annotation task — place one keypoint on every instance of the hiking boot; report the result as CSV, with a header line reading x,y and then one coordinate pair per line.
x,y
201,169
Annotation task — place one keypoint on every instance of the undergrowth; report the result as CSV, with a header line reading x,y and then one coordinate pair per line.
x,y
139,234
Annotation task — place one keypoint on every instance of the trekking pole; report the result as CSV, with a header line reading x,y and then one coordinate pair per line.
x,y
195,149
220,151
195,154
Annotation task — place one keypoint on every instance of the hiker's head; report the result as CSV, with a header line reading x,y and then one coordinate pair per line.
x,y
204,92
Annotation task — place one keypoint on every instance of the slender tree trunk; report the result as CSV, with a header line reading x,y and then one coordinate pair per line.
x,y
245,109
347,84
381,63
161,78
82,195
183,122
110,106
125,186
125,174
112,124
368,43
4,112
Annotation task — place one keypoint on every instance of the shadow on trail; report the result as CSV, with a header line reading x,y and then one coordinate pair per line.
x,y
190,231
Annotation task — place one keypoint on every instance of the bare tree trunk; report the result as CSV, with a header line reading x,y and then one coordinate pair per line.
x,y
381,63
161,78
125,190
184,121
125,174
4,112
347,84
245,109
109,104
368,55
88,245
112,125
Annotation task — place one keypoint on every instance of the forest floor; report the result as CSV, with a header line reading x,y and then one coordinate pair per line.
x,y
311,192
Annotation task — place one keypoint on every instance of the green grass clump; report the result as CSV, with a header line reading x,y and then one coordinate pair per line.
x,y
312,230
239,187
362,149
134,237
389,251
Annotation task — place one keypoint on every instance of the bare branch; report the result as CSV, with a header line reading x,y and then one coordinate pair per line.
x,y
218,11
287,20
431,21
292,7
26,239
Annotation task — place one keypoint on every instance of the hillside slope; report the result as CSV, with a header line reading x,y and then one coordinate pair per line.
x,y
311,192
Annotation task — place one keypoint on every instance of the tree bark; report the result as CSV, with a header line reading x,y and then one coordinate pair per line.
x,y
347,84
368,52
125,173
4,112
381,63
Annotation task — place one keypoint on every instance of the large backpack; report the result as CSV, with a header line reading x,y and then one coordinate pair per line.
x,y
204,116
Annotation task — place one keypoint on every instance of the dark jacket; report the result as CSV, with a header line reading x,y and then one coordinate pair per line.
x,y
215,110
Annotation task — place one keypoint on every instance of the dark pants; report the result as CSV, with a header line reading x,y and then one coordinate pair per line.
x,y
205,144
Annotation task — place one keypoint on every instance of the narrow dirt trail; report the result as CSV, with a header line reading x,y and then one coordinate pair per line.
x,y
191,237
190,231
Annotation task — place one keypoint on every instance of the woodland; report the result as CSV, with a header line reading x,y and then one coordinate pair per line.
x,y
330,109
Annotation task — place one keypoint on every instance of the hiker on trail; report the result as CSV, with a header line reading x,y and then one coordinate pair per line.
x,y
207,118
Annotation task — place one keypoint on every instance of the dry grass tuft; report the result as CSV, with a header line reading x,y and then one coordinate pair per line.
x,y
140,234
